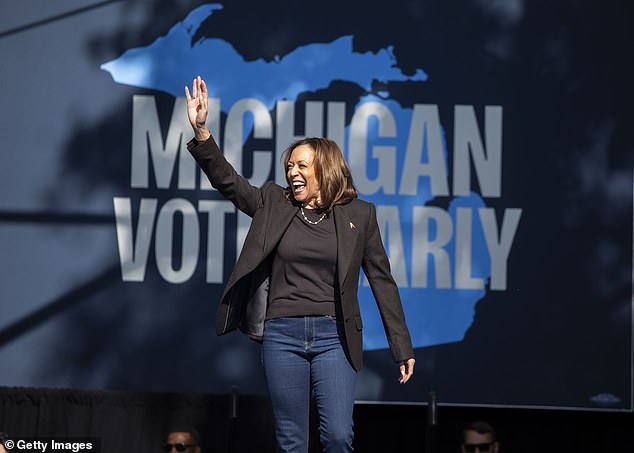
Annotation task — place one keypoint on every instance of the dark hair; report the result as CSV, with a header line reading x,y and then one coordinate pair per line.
x,y
185,429
331,170
481,428
3,438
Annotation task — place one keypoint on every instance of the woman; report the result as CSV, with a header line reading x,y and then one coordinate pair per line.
x,y
294,286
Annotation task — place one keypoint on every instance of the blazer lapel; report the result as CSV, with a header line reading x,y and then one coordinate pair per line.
x,y
278,222
346,240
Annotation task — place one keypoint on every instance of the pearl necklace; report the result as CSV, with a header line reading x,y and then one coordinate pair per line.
x,y
310,221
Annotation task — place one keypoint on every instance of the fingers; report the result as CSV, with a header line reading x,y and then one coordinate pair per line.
x,y
199,91
405,374
407,370
197,107
204,93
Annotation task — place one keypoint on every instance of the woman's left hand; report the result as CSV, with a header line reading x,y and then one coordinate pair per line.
x,y
407,370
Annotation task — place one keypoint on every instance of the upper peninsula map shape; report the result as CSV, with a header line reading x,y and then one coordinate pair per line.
x,y
172,61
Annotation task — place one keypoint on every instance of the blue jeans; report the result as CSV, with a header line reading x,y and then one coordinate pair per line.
x,y
303,355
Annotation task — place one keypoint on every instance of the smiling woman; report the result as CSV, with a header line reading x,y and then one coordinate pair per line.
x,y
301,176
295,285
317,174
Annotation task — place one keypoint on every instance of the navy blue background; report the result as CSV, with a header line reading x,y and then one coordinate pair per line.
x,y
561,335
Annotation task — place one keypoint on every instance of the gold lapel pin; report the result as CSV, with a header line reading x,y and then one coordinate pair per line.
x,y
352,226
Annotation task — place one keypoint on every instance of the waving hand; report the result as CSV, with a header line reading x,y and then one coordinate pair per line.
x,y
197,108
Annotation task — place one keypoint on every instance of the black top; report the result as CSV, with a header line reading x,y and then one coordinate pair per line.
x,y
245,297
305,268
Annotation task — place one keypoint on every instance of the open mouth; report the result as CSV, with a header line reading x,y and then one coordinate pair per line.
x,y
298,187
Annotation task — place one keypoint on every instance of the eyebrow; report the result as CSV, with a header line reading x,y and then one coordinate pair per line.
x,y
298,162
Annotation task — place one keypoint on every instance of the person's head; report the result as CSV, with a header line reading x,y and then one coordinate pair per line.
x,y
3,437
317,174
182,439
479,437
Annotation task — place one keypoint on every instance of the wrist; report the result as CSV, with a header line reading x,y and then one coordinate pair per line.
x,y
202,134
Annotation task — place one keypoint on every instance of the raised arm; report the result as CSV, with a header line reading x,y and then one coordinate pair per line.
x,y
221,174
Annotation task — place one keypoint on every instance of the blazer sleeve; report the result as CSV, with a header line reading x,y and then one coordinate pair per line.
x,y
224,177
377,269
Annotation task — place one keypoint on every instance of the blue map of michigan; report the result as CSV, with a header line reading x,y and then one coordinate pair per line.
x,y
434,316
171,61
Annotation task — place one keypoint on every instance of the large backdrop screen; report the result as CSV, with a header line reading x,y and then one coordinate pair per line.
x,y
493,137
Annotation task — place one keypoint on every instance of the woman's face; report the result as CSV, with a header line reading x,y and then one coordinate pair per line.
x,y
300,172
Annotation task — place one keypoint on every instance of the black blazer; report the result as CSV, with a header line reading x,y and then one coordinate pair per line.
x,y
243,302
